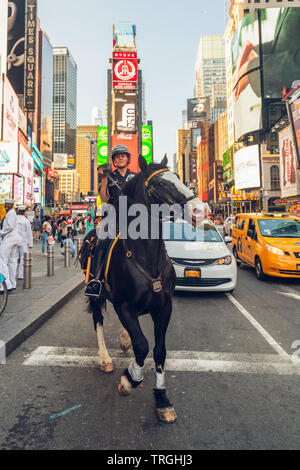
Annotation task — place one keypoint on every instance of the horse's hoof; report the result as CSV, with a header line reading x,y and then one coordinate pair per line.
x,y
107,368
166,415
124,387
125,347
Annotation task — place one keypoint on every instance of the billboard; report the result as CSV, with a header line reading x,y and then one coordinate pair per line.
x,y
228,173
6,187
125,112
132,143
247,102
102,145
295,115
147,143
124,36
16,44
26,170
30,55
9,157
198,109
60,161
125,70
247,168
288,163
18,187
37,190
10,113
196,135
71,162
280,49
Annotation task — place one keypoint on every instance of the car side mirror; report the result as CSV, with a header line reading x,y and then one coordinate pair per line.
x,y
228,240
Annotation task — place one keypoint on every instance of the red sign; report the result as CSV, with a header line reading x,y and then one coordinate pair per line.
x,y
132,143
78,207
51,173
125,66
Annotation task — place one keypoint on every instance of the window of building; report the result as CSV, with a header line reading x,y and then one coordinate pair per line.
x,y
275,178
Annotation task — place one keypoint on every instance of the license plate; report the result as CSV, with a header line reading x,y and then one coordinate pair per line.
x,y
298,267
192,273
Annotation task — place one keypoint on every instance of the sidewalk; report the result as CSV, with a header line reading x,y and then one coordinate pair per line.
x,y
27,310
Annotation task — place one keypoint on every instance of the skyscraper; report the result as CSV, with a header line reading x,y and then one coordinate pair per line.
x,y
97,117
211,73
64,101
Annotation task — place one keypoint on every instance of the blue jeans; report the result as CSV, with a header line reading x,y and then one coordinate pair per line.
x,y
44,238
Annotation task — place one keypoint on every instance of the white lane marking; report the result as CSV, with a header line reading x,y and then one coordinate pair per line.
x,y
258,327
289,294
181,361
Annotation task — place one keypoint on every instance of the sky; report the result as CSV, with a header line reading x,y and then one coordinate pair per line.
x,y
168,35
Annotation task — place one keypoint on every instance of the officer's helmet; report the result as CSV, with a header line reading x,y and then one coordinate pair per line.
x,y
120,149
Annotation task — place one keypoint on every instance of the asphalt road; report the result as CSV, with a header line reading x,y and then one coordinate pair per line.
x,y
231,376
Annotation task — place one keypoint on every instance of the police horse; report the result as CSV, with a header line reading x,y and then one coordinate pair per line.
x,y
139,279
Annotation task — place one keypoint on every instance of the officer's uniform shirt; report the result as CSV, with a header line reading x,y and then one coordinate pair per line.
x,y
9,231
25,232
112,187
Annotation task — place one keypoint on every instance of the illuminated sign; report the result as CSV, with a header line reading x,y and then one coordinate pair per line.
x,y
30,57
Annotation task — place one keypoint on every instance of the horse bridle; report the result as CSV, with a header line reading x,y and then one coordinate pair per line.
x,y
151,190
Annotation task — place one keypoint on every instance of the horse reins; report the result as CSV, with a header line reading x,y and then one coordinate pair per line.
x,y
163,170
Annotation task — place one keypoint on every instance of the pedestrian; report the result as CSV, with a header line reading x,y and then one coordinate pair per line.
x,y
90,217
26,239
47,231
64,229
72,247
36,228
53,225
9,240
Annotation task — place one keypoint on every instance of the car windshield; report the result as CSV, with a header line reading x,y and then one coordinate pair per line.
x,y
279,228
176,232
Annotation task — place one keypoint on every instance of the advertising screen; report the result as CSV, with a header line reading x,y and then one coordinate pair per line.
x,y
196,134
125,70
37,190
132,142
10,113
288,163
8,157
26,170
147,145
280,48
125,107
198,109
102,144
16,45
246,168
60,161
18,189
6,187
228,175
124,36
71,162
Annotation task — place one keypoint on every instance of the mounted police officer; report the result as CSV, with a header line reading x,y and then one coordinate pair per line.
x,y
112,183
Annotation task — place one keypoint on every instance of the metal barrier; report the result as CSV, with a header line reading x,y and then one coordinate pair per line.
x,y
50,261
78,245
27,270
67,255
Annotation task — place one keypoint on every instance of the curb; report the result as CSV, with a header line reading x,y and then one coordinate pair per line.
x,y
19,329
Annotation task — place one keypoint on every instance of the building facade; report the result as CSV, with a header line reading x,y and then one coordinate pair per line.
x,y
69,184
86,167
211,73
64,101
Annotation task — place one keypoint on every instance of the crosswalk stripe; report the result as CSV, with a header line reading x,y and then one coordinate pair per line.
x,y
180,361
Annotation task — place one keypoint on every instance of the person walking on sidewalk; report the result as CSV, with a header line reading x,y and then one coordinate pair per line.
x,y
47,231
36,228
9,240
26,239
72,247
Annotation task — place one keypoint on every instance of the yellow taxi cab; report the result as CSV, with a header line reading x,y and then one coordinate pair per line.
x,y
269,242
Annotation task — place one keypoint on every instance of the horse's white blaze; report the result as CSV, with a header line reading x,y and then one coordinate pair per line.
x,y
168,176
104,357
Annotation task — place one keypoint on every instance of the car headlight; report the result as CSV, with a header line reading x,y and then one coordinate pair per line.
x,y
226,260
275,251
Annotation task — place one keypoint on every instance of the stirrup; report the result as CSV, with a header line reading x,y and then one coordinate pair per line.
x,y
93,289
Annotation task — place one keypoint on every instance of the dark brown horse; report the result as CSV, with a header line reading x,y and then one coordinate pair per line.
x,y
140,279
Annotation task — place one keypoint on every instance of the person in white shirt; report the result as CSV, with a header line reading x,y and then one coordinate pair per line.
x,y
9,240
26,239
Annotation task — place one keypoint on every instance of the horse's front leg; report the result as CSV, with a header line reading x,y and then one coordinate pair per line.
x,y
105,361
165,410
134,375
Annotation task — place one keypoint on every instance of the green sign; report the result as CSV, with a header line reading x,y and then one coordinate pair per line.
x,y
147,147
102,144
228,173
